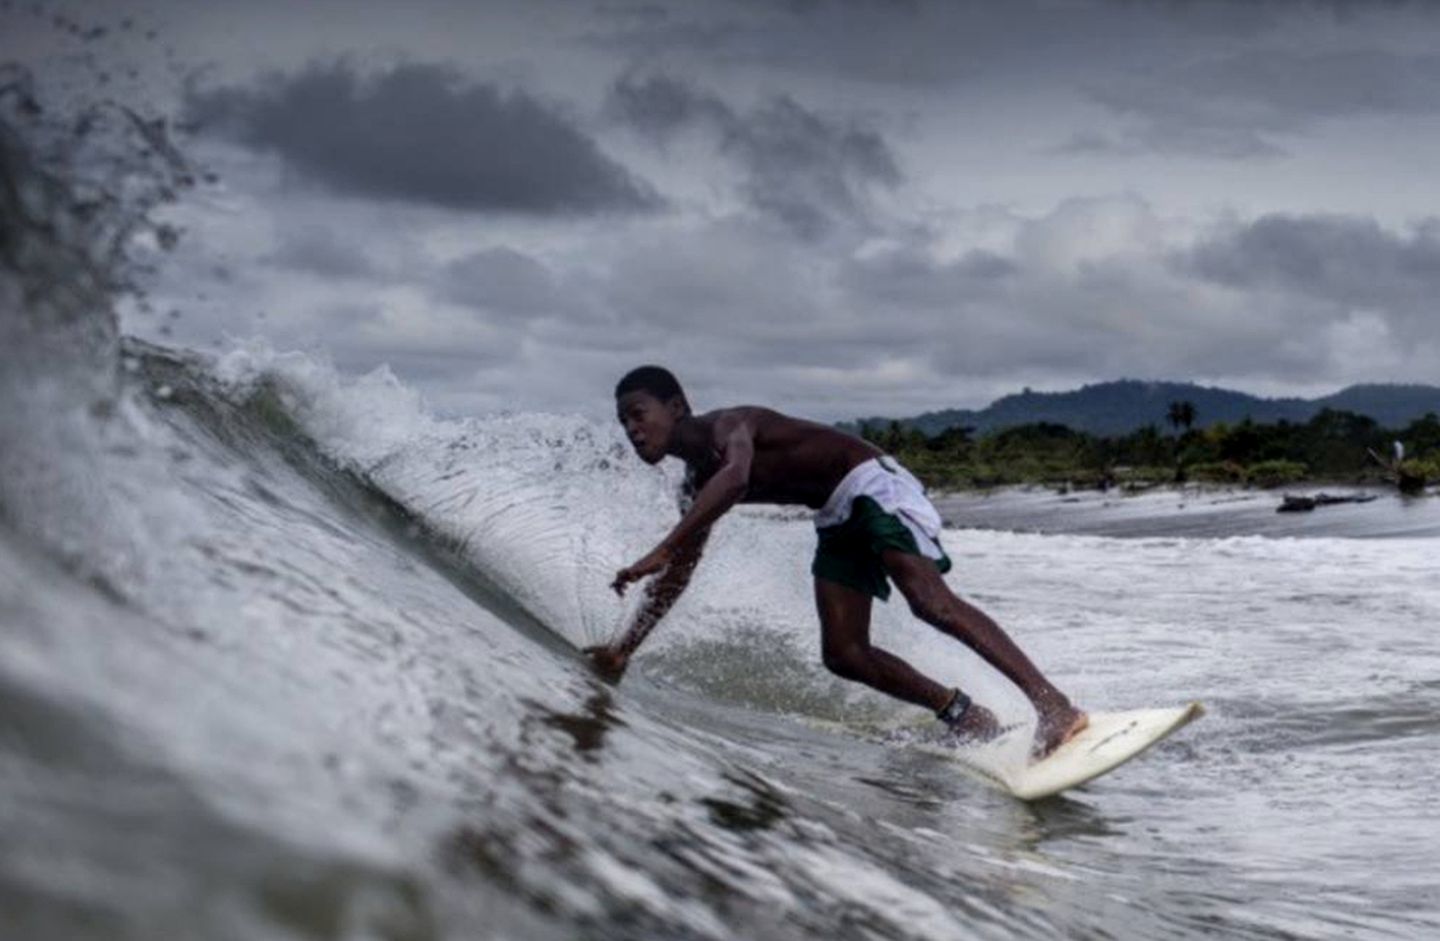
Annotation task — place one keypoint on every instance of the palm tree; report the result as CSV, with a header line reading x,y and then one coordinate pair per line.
x,y
1181,414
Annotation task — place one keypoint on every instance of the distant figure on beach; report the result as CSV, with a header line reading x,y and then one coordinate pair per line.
x,y
875,525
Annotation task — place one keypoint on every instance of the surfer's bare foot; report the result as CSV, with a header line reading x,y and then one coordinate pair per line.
x,y
978,724
1057,726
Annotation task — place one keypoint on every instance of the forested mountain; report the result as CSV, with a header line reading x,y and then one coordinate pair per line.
x,y
1115,408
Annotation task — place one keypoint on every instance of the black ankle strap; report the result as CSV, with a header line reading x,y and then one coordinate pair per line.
x,y
955,709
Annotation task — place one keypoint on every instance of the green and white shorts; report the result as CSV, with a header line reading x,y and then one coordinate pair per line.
x,y
878,506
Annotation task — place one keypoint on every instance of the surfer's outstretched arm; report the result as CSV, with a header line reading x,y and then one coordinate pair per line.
x,y
660,595
726,487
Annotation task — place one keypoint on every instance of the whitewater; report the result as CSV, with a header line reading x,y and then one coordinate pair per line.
x,y
285,654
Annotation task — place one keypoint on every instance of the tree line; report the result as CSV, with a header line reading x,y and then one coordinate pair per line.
x,y
1333,446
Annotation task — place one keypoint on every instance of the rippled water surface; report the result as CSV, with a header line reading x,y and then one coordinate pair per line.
x,y
317,678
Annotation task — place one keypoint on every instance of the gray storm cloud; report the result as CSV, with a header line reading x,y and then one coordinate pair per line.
x,y
807,170
504,282
1223,79
321,250
1104,286
864,209
421,133
1332,261
1243,105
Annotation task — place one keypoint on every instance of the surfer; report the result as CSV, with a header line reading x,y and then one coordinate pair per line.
x,y
875,526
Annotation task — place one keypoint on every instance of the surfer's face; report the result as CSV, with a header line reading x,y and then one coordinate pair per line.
x,y
648,423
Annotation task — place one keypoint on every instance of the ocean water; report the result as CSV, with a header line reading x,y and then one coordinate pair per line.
x,y
1200,510
285,655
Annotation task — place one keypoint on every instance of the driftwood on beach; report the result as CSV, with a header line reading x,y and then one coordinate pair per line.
x,y
1293,504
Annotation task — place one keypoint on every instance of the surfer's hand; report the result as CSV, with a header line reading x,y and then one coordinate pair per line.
x,y
652,563
608,661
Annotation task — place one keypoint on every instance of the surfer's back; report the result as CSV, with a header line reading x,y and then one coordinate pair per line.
x,y
796,461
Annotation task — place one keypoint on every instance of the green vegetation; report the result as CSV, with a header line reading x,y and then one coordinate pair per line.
x,y
1334,446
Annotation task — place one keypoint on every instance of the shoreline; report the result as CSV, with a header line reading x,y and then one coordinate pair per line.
x,y
1193,509
1122,491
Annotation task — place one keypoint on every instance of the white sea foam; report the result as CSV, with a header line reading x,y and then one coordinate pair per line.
x,y
548,506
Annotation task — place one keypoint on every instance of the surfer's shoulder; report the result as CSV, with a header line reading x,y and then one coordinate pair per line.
x,y
754,419
733,414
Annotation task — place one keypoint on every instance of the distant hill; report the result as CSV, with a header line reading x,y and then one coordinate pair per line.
x,y
1115,408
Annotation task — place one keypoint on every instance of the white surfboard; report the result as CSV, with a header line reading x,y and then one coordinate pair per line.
x,y
1110,740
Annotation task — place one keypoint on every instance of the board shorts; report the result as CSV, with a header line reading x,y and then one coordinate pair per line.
x,y
879,505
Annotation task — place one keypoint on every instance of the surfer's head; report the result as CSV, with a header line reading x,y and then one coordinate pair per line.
x,y
649,402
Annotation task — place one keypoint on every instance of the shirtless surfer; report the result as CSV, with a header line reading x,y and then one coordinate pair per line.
x,y
873,520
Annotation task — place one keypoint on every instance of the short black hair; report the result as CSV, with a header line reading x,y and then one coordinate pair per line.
x,y
656,380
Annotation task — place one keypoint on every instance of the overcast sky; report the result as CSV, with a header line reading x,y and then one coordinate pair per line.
x,y
835,208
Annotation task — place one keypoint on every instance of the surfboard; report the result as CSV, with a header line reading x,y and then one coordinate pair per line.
x,y
1110,740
